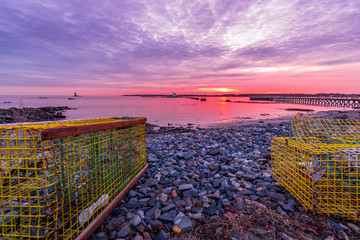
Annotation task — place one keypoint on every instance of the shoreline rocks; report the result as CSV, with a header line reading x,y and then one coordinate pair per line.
x,y
25,114
216,183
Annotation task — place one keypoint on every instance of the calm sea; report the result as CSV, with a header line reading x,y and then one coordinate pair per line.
x,y
161,111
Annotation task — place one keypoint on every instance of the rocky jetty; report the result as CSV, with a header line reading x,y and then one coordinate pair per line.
x,y
216,183
25,114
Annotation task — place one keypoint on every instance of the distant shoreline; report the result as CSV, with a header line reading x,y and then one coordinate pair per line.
x,y
246,95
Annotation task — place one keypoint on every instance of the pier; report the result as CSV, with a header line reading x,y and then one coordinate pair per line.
x,y
333,101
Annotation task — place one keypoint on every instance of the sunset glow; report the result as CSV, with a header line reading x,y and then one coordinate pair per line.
x,y
224,90
159,47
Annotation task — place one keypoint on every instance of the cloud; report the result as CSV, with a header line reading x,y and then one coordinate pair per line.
x,y
137,42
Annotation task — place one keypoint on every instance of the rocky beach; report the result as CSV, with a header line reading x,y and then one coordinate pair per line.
x,y
216,183
213,182
28,114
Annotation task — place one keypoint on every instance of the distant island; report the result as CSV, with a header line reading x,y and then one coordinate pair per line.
x,y
264,95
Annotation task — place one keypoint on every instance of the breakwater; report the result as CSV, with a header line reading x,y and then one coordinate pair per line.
x,y
338,101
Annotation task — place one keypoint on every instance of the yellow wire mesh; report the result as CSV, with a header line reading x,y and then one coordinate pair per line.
x,y
52,189
325,127
320,165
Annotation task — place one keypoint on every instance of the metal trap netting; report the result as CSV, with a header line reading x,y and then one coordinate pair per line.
x,y
320,165
325,127
55,188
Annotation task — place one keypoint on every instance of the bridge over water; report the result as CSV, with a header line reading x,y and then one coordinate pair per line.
x,y
353,102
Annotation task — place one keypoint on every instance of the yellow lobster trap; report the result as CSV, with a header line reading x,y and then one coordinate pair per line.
x,y
59,180
320,166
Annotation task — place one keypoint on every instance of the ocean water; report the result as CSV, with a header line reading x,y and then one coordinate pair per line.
x,y
161,111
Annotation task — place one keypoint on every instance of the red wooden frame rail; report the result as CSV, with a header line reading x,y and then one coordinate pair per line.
x,y
66,131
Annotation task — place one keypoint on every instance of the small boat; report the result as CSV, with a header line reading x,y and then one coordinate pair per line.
x,y
203,99
71,98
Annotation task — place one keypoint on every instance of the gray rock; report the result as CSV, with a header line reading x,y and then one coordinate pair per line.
x,y
213,152
235,184
276,196
185,186
135,221
196,216
249,177
140,213
138,237
247,184
123,233
179,217
167,217
190,193
168,208
161,235
225,184
290,206
101,236
188,155
267,175
113,235
132,194
114,223
151,183
336,226
155,224
210,210
185,225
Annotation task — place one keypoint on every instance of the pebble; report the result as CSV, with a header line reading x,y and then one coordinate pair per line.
x,y
197,175
190,193
277,196
135,221
138,237
336,226
161,235
354,227
184,187
123,233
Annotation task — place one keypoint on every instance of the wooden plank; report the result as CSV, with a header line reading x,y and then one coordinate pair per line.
x,y
59,132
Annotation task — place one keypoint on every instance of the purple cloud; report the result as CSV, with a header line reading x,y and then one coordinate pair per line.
x,y
129,43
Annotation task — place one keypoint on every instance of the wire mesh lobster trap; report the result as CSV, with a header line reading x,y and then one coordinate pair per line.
x,y
320,166
325,127
57,178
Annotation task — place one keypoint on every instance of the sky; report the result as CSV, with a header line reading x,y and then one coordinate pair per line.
x,y
112,47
